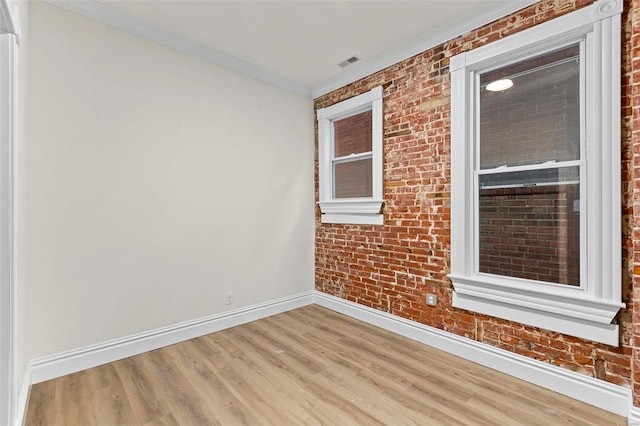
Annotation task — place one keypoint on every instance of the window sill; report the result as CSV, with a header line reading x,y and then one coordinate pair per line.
x,y
573,314
352,211
353,219
351,206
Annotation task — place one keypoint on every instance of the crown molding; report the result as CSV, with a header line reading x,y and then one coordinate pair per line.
x,y
101,13
418,45
9,17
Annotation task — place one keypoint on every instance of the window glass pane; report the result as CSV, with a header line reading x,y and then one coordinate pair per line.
x,y
353,179
353,134
531,177
538,118
531,232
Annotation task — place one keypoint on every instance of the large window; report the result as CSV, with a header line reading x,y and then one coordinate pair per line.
x,y
350,160
528,169
536,175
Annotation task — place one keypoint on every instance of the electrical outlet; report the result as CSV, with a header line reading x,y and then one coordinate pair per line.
x,y
228,299
432,299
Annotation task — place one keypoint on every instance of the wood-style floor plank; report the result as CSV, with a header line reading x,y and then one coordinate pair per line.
x,y
309,366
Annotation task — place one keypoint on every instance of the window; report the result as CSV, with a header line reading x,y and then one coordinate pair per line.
x,y
529,165
535,175
350,160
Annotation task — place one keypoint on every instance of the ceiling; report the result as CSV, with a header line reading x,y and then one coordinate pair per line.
x,y
298,44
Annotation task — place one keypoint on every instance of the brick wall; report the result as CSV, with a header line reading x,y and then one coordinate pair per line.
x,y
392,267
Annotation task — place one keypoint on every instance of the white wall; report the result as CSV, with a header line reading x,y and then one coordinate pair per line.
x,y
152,183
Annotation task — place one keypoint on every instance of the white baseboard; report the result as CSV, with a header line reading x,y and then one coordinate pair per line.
x,y
634,416
50,367
23,399
609,397
601,394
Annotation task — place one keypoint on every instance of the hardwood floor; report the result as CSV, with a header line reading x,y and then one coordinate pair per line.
x,y
310,366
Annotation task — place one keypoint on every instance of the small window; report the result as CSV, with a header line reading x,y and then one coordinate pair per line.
x,y
350,160
352,175
535,175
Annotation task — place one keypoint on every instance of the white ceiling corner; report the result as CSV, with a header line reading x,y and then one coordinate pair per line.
x,y
297,44
102,13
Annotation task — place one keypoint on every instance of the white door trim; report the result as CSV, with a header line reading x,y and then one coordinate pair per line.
x,y
8,295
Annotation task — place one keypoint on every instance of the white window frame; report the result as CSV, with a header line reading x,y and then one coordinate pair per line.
x,y
361,210
586,311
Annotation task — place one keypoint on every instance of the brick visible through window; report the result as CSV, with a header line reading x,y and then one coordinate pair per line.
x,y
352,135
525,230
531,233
